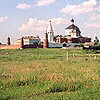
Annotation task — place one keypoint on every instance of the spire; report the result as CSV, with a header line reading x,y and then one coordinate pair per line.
x,y
50,32
50,28
46,30
50,25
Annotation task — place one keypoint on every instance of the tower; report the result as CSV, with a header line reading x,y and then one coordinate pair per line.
x,y
22,42
8,41
50,32
45,45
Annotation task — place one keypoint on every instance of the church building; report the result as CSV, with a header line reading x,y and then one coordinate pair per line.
x,y
73,31
72,36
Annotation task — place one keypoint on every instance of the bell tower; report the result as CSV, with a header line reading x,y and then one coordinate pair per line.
x,y
50,32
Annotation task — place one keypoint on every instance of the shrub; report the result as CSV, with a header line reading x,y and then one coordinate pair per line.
x,y
61,87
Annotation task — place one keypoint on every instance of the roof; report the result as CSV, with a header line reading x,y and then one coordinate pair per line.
x,y
73,27
30,37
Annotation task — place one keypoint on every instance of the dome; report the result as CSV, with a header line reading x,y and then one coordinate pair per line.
x,y
74,28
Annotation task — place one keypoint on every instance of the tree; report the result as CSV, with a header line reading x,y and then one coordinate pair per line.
x,y
96,41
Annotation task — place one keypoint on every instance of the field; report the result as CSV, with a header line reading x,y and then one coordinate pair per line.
x,y
49,74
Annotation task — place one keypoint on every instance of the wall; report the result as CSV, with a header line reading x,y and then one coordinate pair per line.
x,y
10,46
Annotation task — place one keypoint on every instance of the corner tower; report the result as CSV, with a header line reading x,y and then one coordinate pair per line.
x,y
8,41
45,44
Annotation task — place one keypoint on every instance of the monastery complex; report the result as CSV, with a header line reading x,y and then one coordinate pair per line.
x,y
72,38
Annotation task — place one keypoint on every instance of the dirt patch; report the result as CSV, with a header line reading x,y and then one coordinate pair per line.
x,y
24,68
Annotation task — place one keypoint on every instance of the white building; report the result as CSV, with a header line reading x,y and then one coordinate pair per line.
x,y
73,31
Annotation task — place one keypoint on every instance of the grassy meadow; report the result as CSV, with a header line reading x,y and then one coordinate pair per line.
x,y
49,74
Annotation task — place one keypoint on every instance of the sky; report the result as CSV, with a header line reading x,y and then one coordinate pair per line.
x,y
31,17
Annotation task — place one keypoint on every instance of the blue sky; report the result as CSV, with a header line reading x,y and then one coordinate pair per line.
x,y
30,17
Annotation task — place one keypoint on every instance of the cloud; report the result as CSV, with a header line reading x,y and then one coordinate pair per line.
x,y
3,19
45,2
82,8
95,25
23,6
58,21
39,26
97,8
95,17
34,25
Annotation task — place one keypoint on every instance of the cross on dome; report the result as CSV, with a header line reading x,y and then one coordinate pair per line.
x,y
72,20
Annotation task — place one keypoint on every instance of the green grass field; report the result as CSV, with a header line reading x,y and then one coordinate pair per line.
x,y
49,74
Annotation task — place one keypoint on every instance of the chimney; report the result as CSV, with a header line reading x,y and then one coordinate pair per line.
x,y
46,41
8,41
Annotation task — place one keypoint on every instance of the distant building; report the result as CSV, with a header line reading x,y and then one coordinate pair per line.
x,y
9,45
29,42
73,35
24,42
